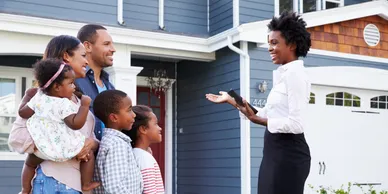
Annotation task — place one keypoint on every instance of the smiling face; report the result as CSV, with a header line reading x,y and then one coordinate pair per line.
x,y
102,49
77,61
153,130
280,52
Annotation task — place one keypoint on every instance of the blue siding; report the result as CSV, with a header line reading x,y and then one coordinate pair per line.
x,y
186,16
143,15
352,2
10,176
261,69
220,16
208,150
93,11
256,10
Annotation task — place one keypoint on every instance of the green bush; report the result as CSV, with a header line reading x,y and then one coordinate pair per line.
x,y
341,190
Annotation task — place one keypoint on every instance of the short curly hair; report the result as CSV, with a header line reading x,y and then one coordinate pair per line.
x,y
45,69
293,29
106,103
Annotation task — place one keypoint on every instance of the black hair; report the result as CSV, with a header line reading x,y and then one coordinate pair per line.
x,y
60,45
142,118
45,69
88,32
108,102
293,29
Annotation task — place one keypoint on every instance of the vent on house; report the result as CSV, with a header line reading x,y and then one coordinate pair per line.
x,y
371,35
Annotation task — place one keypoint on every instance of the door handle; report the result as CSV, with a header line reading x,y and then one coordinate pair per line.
x,y
320,167
324,167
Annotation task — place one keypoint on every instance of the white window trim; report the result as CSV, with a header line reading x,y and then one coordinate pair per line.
x,y
298,5
16,73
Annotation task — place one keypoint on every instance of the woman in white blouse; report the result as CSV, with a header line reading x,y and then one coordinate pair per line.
x,y
286,155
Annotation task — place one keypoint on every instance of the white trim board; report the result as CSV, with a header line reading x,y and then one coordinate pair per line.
x,y
340,55
141,81
189,47
349,77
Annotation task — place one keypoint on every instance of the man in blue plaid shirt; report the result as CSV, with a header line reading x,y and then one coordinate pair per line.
x,y
116,165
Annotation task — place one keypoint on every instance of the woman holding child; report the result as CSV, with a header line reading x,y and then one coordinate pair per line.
x,y
63,176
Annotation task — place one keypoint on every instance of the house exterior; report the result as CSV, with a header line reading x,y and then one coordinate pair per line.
x,y
212,45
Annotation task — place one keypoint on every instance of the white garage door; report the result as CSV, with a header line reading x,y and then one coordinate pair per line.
x,y
346,131
346,128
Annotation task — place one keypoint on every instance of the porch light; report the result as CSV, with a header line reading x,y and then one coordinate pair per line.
x,y
159,82
263,86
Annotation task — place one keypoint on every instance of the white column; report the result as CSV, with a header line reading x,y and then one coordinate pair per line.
x,y
124,79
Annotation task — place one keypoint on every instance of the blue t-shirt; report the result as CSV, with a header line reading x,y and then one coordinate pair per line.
x,y
101,89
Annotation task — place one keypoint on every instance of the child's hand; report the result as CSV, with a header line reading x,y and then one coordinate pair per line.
x,y
85,100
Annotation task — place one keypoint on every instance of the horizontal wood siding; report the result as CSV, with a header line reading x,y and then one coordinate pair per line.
x,y
347,37
208,149
220,15
261,69
186,16
10,176
256,10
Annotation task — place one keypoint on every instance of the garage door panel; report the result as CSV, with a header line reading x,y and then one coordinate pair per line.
x,y
349,139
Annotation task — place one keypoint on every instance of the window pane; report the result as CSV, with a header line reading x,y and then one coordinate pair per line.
x,y
348,102
374,99
382,98
339,95
330,5
339,102
312,100
157,113
7,110
142,98
312,94
330,95
373,105
356,97
356,103
329,101
285,5
382,105
309,5
155,100
348,96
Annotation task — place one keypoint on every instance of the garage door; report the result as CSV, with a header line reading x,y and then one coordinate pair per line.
x,y
346,131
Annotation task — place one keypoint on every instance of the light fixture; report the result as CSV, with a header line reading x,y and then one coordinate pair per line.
x,y
159,83
263,86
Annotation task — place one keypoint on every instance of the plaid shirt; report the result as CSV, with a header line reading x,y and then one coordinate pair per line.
x,y
116,166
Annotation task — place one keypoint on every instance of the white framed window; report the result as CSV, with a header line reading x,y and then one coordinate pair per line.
x,y
13,83
379,102
312,98
305,6
343,99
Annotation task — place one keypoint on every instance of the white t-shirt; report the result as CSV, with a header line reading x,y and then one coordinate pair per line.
x,y
152,178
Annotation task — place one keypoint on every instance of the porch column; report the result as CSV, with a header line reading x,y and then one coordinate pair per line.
x,y
124,79
122,74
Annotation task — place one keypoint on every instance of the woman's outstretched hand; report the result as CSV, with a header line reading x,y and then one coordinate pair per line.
x,y
223,97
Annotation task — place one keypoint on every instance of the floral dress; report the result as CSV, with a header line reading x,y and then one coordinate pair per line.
x,y
52,137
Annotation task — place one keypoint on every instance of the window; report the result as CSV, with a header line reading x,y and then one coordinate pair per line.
x,y
305,6
379,102
343,99
8,100
312,98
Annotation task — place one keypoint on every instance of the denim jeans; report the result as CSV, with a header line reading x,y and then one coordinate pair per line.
x,y
43,184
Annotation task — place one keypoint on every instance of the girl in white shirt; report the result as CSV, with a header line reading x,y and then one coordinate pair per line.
x,y
144,132
286,155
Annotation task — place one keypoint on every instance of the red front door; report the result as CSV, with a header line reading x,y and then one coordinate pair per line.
x,y
146,97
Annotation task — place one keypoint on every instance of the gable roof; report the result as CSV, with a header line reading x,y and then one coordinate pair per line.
x,y
257,31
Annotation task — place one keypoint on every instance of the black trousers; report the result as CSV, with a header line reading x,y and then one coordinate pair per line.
x,y
285,165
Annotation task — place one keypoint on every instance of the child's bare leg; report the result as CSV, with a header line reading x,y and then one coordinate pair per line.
x,y
28,172
87,171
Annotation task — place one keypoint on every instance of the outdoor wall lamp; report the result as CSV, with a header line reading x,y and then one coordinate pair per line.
x,y
263,86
